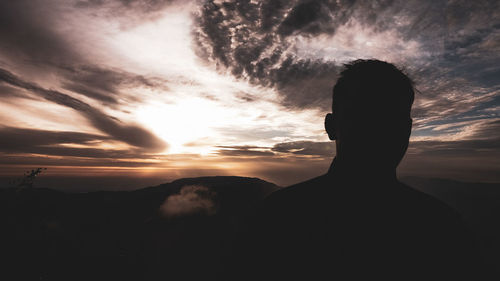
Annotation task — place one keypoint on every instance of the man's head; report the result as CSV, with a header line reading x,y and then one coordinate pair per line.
x,y
370,118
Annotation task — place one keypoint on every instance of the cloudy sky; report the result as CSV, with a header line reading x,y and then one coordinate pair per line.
x,y
126,93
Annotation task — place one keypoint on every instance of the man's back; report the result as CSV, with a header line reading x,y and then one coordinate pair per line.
x,y
330,227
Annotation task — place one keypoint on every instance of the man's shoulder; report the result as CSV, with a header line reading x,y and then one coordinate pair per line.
x,y
299,192
419,197
297,197
427,205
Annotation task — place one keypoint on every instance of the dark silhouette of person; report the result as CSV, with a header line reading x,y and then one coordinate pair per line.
x,y
358,222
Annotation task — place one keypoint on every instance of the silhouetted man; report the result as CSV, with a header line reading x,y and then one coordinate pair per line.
x,y
358,222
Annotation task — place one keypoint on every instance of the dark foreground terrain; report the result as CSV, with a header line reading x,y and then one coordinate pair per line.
x,y
183,230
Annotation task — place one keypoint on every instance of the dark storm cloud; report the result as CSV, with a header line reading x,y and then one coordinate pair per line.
x,y
14,138
130,134
305,83
8,91
326,149
468,15
307,17
28,32
18,140
255,41
104,84
250,40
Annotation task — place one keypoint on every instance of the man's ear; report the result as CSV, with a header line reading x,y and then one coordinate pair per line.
x,y
330,126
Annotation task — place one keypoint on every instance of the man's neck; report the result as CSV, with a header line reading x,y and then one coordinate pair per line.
x,y
361,171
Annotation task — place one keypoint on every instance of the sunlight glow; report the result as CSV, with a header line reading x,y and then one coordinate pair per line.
x,y
186,121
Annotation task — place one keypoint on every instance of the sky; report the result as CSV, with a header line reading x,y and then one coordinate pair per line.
x,y
123,94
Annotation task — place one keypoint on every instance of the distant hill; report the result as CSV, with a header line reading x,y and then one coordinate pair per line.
x,y
476,202
124,235
183,230
479,205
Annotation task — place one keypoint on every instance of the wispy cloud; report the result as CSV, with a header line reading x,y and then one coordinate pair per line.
x,y
131,134
326,149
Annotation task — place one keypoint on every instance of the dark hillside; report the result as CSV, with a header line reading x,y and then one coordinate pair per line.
x,y
183,230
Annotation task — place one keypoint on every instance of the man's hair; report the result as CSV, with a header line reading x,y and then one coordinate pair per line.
x,y
373,87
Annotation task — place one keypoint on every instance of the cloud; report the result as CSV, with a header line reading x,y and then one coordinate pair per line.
x,y
128,13
145,6
241,37
55,143
460,138
297,47
48,39
28,31
454,148
74,159
105,84
191,200
130,134
267,42
468,150
243,151
443,96
18,137
325,149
